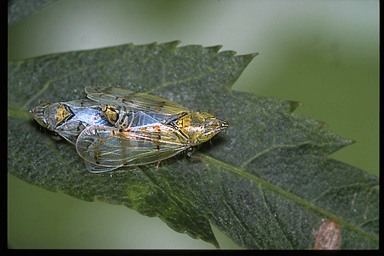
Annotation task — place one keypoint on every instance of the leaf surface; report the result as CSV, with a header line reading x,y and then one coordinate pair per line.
x,y
267,182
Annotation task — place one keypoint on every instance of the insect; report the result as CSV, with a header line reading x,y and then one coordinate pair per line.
x,y
69,119
116,127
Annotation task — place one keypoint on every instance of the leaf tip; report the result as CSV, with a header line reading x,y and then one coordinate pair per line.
x,y
253,54
346,142
174,44
250,56
171,45
293,105
215,48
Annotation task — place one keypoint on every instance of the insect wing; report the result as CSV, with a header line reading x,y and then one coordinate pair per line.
x,y
107,148
133,100
71,129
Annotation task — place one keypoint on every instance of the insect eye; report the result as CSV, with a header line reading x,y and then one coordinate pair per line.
x,y
111,113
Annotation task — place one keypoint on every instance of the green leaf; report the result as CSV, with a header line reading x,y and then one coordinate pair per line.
x,y
19,9
267,182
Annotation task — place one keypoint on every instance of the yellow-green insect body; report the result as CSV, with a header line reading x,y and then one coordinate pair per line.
x,y
116,127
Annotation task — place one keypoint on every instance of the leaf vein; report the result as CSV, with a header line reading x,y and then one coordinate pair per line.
x,y
295,198
277,222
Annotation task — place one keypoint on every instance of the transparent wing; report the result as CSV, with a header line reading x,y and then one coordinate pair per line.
x,y
107,148
133,100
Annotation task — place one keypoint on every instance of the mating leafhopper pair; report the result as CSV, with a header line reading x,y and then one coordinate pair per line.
x,y
116,127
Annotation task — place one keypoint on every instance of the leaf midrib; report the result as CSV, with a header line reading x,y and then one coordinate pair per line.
x,y
299,200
